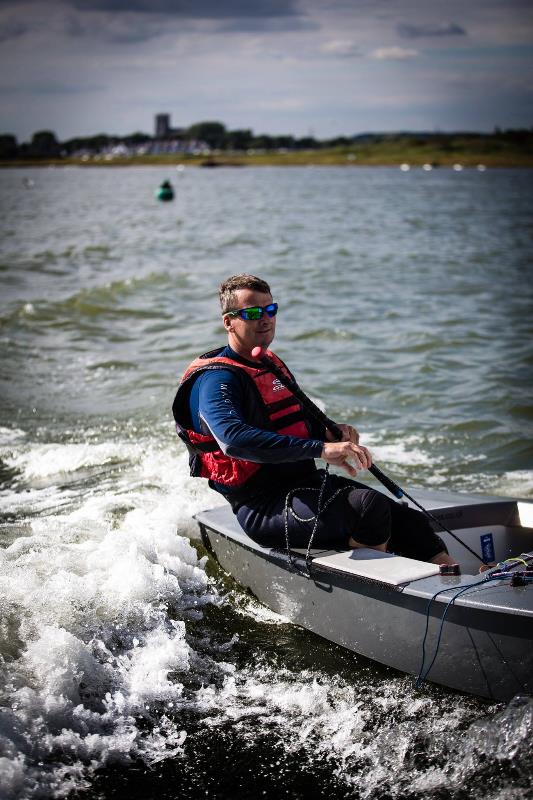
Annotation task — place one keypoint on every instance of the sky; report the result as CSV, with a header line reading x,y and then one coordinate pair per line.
x,y
303,67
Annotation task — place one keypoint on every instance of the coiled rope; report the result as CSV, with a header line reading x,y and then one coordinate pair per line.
x,y
315,518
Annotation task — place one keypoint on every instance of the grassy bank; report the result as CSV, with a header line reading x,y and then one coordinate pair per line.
x,y
467,150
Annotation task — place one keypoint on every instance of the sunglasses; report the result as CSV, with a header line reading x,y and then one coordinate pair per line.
x,y
254,312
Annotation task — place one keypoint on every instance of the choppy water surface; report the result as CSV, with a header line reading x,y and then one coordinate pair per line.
x,y
130,666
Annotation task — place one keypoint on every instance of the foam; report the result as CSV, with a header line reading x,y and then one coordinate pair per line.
x,y
10,435
325,719
93,603
516,482
47,460
254,610
406,451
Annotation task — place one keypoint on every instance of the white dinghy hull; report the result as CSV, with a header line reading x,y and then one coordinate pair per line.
x,y
378,605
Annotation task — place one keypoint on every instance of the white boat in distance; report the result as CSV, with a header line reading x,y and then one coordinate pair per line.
x,y
471,632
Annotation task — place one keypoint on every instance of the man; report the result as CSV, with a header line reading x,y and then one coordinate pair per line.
x,y
249,436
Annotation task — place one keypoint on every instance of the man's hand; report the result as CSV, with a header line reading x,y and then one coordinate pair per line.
x,y
347,454
349,434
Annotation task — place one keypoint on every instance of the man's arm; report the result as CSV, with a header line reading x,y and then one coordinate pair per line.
x,y
221,410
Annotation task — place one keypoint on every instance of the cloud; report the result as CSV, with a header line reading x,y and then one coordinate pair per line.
x,y
282,104
440,29
50,87
194,9
284,24
342,48
12,29
116,30
393,53
132,21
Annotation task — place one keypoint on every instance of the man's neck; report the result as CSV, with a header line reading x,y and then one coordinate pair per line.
x,y
242,352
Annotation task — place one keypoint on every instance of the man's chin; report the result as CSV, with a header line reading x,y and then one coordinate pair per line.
x,y
264,341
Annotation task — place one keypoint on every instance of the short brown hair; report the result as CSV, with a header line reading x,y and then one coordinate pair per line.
x,y
226,292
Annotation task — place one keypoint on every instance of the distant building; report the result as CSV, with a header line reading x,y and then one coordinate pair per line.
x,y
162,125
163,130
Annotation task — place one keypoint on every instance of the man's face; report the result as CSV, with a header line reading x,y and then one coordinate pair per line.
x,y
245,334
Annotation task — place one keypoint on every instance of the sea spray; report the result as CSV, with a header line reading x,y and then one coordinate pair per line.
x,y
93,603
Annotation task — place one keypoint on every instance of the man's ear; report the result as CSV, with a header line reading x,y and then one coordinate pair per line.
x,y
227,323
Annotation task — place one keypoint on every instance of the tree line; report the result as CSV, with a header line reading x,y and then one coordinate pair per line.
x,y
214,135
44,144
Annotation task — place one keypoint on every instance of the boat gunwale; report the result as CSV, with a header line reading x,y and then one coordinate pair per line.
x,y
415,595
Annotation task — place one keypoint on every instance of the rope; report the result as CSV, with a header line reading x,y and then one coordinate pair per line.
x,y
315,518
422,674
422,677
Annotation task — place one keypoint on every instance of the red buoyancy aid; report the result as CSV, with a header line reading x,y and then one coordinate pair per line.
x,y
283,414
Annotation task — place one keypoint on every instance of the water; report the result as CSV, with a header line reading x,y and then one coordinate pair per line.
x,y
131,667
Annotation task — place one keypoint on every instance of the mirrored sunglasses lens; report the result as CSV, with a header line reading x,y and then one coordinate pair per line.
x,y
272,309
256,312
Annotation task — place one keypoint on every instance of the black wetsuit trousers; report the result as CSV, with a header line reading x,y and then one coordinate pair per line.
x,y
350,509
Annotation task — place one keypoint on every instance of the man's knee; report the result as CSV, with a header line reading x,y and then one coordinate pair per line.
x,y
413,535
372,516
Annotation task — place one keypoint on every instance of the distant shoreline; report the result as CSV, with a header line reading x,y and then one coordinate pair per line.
x,y
309,161
489,153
